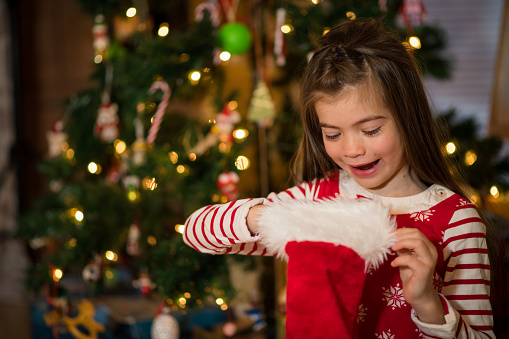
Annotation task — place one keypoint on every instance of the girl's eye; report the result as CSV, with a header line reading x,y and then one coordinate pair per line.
x,y
372,132
332,137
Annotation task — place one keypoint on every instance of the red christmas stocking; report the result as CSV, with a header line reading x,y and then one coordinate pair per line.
x,y
324,288
328,245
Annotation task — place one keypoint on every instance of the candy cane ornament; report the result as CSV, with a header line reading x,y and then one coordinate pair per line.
x,y
212,7
279,37
161,108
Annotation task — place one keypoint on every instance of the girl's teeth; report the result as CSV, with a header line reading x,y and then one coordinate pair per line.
x,y
368,166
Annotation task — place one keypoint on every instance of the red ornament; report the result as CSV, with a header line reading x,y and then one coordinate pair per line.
x,y
116,172
56,137
133,238
101,39
92,271
144,284
227,183
229,329
412,12
106,125
225,123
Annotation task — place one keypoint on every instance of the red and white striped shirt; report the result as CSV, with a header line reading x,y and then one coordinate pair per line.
x,y
452,224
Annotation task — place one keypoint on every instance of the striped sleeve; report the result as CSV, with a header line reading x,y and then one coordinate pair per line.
x,y
466,286
222,228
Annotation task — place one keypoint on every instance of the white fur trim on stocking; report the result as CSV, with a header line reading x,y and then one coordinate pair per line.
x,y
363,225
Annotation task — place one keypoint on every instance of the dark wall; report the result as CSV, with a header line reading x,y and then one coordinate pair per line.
x,y
54,60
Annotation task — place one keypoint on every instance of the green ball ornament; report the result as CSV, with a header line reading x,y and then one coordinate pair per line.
x,y
235,38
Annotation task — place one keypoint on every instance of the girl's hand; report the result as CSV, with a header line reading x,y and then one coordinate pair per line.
x,y
252,218
416,260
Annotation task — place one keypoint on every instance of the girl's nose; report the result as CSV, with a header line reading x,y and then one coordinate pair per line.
x,y
352,147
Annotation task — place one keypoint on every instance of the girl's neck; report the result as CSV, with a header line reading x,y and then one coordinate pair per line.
x,y
405,183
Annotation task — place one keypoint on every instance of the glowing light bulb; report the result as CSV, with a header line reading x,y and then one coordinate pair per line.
x,y
150,184
219,301
224,56
130,12
151,240
180,169
108,274
286,28
232,105
450,147
57,274
180,228
163,29
414,42
351,15
494,191
72,243
92,167
223,147
240,134
120,146
174,157
110,255
470,158
242,163
133,196
70,153
79,216
194,77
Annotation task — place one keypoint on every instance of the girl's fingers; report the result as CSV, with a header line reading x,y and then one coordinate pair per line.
x,y
418,247
414,240
409,261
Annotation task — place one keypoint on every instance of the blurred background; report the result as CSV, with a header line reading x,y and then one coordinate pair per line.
x,y
118,118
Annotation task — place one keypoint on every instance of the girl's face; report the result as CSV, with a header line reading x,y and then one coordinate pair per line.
x,y
361,137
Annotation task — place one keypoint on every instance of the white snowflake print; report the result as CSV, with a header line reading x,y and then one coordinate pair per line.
x,y
438,282
420,333
394,296
385,335
423,215
361,313
463,202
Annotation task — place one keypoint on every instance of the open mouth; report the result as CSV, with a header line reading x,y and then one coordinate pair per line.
x,y
367,166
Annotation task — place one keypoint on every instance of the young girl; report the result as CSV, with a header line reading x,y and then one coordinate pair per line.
x,y
369,132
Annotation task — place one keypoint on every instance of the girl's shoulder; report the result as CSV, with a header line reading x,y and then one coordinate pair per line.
x,y
445,198
326,187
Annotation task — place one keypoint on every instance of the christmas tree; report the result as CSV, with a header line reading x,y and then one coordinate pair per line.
x,y
479,160
163,134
